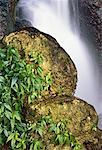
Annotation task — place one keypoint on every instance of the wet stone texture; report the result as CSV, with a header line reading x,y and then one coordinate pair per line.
x,y
91,20
7,16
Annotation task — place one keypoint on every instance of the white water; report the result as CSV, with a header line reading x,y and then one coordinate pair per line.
x,y
53,17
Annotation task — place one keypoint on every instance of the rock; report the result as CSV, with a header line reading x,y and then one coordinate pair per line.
x,y
21,23
95,145
90,19
21,20
90,12
80,117
56,61
7,17
100,121
12,9
58,147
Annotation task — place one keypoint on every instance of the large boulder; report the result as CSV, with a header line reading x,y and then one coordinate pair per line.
x,y
79,115
57,63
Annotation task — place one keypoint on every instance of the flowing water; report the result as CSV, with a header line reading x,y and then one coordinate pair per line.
x,y
57,19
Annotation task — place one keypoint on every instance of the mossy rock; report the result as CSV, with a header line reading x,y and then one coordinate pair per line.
x,y
95,145
56,61
58,147
80,117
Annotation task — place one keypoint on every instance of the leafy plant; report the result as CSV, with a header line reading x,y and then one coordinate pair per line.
x,y
63,136
59,132
36,145
18,80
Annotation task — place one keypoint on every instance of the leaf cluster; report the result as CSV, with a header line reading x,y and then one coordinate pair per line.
x,y
58,131
18,81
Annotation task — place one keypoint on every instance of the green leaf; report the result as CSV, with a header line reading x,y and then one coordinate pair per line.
x,y
59,139
17,115
52,127
7,106
72,139
39,130
13,143
78,147
1,129
43,123
32,127
37,145
2,108
57,130
29,99
1,140
48,78
2,79
6,132
19,145
8,114
34,95
13,82
66,138
14,51
29,82
31,146
11,136
2,55
12,121
39,70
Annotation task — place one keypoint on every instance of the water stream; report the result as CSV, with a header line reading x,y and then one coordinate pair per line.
x,y
54,17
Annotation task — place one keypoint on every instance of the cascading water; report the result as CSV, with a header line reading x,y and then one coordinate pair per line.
x,y
53,17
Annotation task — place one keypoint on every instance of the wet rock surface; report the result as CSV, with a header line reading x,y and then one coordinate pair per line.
x,y
90,18
7,16
21,23
90,12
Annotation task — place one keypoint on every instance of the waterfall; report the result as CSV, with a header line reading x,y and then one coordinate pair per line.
x,y
59,18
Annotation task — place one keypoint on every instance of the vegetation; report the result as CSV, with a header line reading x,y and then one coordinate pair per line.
x,y
20,81
59,135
